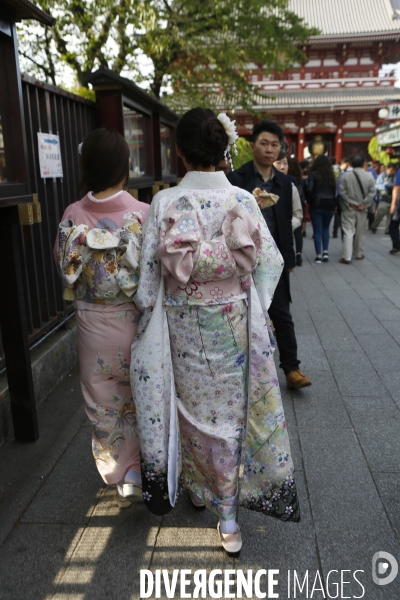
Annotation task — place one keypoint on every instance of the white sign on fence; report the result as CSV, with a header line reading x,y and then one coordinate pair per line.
x,y
49,155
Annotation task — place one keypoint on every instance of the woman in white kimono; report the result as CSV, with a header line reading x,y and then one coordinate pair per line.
x,y
203,376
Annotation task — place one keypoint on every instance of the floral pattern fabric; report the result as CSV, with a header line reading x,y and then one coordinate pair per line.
x,y
105,338
97,251
204,380
101,265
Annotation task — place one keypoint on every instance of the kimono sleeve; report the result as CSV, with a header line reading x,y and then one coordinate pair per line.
x,y
269,265
72,251
129,250
150,266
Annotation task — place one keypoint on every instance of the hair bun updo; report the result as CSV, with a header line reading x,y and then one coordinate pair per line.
x,y
201,138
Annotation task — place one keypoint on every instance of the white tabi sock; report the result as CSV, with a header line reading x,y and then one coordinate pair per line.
x,y
132,476
228,526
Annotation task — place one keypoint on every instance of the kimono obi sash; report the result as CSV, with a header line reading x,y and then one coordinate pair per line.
x,y
212,270
214,291
99,266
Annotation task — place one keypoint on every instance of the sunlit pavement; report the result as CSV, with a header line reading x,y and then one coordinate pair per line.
x,y
63,537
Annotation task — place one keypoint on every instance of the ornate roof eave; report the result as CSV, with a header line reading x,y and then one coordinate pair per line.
x,y
354,37
314,109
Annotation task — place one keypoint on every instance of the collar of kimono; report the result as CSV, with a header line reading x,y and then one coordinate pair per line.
x,y
116,203
205,180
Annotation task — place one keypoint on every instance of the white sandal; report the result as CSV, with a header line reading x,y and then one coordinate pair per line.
x,y
131,494
231,542
197,503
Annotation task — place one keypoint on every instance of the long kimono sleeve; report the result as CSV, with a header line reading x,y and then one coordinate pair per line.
x,y
269,266
150,266
72,252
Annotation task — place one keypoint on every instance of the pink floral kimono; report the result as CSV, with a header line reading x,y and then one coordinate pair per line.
x,y
98,251
209,410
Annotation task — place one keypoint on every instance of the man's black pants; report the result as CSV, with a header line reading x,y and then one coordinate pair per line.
x,y
394,233
279,313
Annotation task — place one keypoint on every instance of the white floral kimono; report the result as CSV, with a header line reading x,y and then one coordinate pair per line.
x,y
208,405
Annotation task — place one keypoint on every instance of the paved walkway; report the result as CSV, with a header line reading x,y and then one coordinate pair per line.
x,y
62,536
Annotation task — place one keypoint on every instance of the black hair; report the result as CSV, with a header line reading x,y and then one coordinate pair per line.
x,y
345,160
281,155
357,160
392,165
201,138
270,127
323,166
104,160
295,169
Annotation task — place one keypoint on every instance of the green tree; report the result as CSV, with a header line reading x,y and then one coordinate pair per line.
x,y
199,50
243,154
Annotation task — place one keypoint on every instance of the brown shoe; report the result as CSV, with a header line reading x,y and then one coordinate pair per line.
x,y
360,257
344,261
296,380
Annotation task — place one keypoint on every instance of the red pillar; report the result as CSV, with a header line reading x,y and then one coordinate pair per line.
x,y
300,144
339,120
339,145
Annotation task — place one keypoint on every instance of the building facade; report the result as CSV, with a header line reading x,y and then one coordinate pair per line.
x,y
336,94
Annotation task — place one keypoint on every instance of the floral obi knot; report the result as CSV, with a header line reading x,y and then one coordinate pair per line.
x,y
193,265
98,265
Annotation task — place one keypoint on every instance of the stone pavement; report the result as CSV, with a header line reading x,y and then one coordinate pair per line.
x,y
62,537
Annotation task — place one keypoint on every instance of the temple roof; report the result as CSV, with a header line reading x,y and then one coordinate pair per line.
x,y
342,18
323,99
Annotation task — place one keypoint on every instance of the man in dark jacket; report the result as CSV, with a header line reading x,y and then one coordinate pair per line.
x,y
266,141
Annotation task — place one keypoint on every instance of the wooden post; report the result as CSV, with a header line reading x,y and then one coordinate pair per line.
x,y
14,331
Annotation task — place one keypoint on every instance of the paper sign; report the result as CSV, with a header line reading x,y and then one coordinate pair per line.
x,y
49,155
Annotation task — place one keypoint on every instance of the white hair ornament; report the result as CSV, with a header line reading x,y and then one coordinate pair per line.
x,y
230,130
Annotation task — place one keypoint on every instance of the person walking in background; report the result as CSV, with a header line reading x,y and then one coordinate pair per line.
x,y
266,142
305,170
296,172
395,212
356,190
97,252
321,196
384,187
282,165
374,169
345,167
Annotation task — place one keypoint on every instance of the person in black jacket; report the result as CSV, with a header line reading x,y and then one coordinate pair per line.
x,y
321,197
266,141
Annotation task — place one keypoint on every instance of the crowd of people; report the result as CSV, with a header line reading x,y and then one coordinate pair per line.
x,y
354,202
178,306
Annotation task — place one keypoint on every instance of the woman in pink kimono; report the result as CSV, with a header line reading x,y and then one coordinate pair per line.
x,y
97,251
208,404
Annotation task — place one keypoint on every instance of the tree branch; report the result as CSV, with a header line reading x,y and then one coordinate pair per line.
x,y
42,67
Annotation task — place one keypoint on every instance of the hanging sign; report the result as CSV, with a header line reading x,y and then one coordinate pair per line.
x,y
388,137
394,111
49,155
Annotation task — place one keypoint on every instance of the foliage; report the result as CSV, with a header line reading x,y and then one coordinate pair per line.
x,y
84,92
243,155
199,50
377,154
